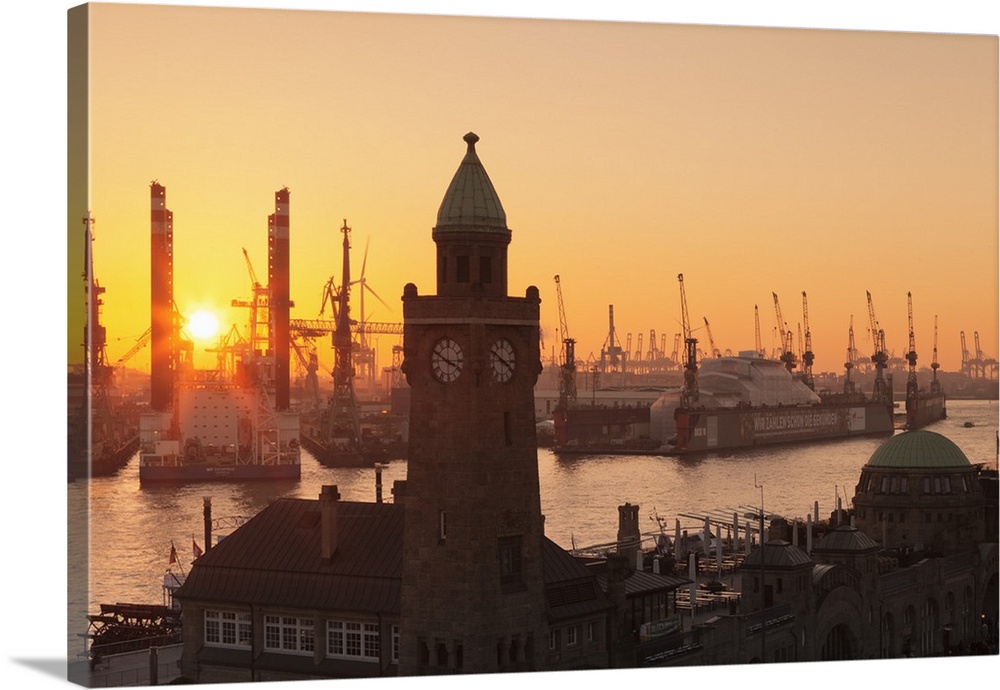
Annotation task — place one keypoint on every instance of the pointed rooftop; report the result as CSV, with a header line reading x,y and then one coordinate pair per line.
x,y
471,202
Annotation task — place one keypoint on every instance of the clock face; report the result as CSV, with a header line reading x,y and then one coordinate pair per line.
x,y
446,360
502,360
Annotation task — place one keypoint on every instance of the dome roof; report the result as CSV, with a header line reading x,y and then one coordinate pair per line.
x,y
471,202
846,539
919,449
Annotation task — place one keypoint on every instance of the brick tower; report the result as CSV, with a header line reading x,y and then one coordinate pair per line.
x,y
472,599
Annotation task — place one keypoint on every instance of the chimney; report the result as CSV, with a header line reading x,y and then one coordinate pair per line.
x,y
328,499
207,514
399,491
628,531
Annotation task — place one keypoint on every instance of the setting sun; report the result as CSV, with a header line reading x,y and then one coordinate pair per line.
x,y
203,325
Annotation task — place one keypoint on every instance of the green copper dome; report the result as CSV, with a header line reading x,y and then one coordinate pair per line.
x,y
471,202
919,449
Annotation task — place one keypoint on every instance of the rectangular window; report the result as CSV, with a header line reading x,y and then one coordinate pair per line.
x,y
486,269
590,632
553,640
462,269
395,643
228,629
443,269
510,562
442,525
508,435
571,636
289,634
356,640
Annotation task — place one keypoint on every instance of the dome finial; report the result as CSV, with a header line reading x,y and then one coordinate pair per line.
x,y
471,138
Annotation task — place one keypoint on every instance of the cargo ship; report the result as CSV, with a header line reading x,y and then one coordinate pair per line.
x,y
747,401
741,402
221,431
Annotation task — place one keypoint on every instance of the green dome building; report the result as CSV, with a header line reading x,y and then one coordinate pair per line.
x,y
919,492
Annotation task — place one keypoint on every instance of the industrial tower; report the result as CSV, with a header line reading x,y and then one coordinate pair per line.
x,y
163,326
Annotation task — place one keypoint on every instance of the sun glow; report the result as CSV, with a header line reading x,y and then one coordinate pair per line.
x,y
203,325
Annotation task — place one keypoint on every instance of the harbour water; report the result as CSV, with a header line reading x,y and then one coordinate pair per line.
x,y
131,527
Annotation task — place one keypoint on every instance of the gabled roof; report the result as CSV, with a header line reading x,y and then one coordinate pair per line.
x,y
471,202
778,554
275,560
643,582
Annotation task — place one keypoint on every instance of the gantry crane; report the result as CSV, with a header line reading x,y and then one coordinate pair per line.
x,y
567,370
807,354
690,347
881,389
965,355
980,368
787,354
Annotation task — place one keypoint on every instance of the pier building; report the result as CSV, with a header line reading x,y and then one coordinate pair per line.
x,y
456,574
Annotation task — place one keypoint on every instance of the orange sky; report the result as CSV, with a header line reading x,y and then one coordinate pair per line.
x,y
751,160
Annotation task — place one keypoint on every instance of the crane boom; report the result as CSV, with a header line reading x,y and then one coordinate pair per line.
x,y
756,333
935,384
911,356
690,347
711,341
807,354
881,391
787,337
567,373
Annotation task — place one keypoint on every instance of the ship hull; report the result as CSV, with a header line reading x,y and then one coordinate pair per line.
x,y
208,472
924,409
733,428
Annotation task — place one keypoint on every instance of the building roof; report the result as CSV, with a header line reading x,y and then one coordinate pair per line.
x,y
920,449
644,582
777,554
846,539
471,202
275,560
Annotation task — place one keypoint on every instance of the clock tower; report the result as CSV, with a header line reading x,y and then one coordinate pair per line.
x,y
472,587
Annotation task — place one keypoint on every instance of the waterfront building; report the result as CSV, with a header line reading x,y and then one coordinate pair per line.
x,y
864,591
456,574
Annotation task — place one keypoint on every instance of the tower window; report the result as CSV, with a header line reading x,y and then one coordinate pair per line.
x,y
462,269
442,269
442,525
486,269
510,563
508,435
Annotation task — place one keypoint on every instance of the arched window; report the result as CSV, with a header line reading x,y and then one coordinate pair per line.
x,y
888,636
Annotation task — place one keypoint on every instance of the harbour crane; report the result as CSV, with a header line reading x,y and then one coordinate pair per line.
x,y
980,368
807,354
786,348
690,348
911,356
612,354
852,357
966,367
567,370
756,334
881,389
935,384
711,341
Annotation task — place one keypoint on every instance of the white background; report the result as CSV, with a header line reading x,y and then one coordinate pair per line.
x,y
33,330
